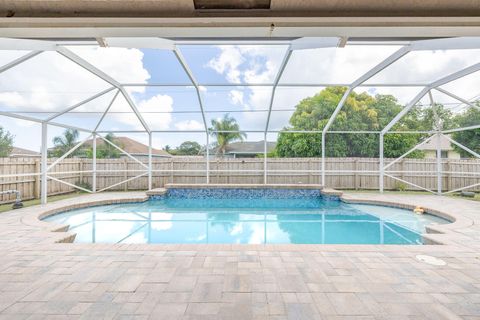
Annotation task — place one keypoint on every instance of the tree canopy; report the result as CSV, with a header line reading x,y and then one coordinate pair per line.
x,y
6,142
187,148
361,112
106,150
469,138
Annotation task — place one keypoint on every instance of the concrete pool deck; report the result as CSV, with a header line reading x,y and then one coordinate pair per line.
x,y
42,279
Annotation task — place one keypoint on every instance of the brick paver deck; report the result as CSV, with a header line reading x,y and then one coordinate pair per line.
x,y
41,279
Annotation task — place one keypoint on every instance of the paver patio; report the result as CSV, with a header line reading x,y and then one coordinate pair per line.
x,y
41,279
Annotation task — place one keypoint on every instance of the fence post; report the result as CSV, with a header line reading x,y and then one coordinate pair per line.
x,y
309,170
36,186
449,176
402,169
80,169
125,174
355,176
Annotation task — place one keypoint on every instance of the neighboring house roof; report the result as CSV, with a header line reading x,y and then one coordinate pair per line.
x,y
20,152
445,144
131,146
249,147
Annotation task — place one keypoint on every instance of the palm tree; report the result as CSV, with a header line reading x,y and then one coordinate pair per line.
x,y
109,151
66,142
225,130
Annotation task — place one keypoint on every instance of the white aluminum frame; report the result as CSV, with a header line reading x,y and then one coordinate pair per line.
x,y
38,46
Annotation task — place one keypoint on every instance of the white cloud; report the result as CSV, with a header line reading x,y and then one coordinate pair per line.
x,y
122,64
189,125
228,63
249,64
12,99
159,102
236,96
52,82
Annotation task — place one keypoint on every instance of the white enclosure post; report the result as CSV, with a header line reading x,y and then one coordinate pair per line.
x,y
208,158
381,165
149,161
323,159
264,158
44,164
94,163
439,163
438,128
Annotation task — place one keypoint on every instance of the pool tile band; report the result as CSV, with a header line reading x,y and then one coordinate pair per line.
x,y
242,193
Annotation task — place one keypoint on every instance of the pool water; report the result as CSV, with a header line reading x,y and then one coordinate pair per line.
x,y
308,220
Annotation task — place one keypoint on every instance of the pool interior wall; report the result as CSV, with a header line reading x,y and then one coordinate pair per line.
x,y
230,215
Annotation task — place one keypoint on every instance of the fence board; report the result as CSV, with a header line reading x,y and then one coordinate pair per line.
x,y
342,173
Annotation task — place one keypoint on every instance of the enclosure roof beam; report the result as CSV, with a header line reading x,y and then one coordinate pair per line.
x,y
19,60
190,75
19,116
268,84
449,78
106,111
477,126
447,44
405,110
456,75
76,105
381,66
369,74
283,65
102,75
61,125
448,93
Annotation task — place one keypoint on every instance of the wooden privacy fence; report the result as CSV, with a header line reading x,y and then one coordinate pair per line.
x,y
341,173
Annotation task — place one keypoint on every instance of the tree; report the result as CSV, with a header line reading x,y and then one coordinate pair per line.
x,y
468,138
361,112
6,142
188,148
225,131
66,142
105,150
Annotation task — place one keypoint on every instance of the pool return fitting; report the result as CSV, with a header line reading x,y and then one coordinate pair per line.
x,y
18,200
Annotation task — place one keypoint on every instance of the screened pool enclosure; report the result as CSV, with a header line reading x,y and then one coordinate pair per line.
x,y
165,91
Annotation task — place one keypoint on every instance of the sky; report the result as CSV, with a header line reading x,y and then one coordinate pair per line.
x,y
49,83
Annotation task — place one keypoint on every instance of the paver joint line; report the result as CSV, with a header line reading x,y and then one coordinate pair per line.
x,y
40,278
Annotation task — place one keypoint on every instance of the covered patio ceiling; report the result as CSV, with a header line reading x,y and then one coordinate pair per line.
x,y
239,8
90,19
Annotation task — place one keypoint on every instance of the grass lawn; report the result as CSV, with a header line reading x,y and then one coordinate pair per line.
x,y
477,197
28,203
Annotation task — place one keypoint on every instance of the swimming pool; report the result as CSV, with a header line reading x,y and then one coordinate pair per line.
x,y
240,216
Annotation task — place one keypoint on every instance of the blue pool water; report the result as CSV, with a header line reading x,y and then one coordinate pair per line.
x,y
282,218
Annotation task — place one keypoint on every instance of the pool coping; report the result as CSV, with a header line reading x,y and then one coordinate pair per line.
x,y
444,234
